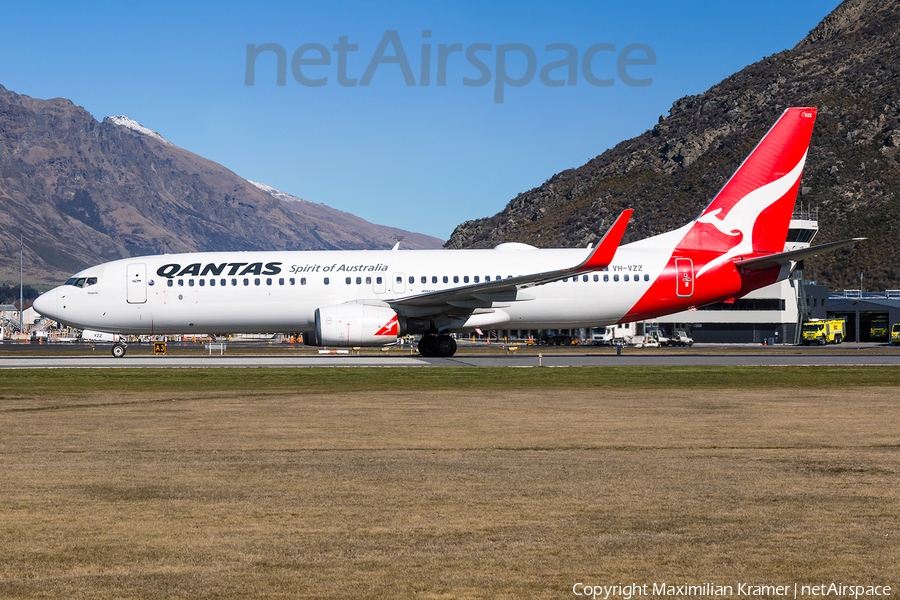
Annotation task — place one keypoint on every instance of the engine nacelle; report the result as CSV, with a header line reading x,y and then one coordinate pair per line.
x,y
357,323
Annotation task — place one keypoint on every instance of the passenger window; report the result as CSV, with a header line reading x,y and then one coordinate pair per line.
x,y
202,282
281,281
466,279
399,279
456,279
378,280
434,279
234,282
368,281
181,282
424,279
615,277
212,282
348,280
246,281
190,283
445,279
223,282
412,279
292,281
605,278
626,277
487,277
477,279
170,283
646,277
326,281
268,281
596,277
359,281
584,277
303,281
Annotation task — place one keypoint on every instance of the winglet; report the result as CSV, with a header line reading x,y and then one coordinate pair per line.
x,y
606,249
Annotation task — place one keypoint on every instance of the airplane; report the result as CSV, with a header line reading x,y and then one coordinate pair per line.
x,y
369,298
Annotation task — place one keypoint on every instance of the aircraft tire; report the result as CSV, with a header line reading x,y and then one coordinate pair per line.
x,y
445,346
118,350
427,346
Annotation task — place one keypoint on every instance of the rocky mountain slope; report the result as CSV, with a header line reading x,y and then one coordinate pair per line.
x,y
84,192
848,67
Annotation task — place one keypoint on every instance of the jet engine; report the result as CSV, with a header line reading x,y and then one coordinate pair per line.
x,y
359,323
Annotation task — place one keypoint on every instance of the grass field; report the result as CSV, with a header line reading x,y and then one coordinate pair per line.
x,y
444,483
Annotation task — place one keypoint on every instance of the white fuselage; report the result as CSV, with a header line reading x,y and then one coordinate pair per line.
x,y
234,292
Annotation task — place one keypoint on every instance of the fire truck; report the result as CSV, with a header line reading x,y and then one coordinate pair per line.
x,y
823,331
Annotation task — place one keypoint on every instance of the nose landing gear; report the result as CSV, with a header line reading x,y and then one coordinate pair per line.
x,y
118,349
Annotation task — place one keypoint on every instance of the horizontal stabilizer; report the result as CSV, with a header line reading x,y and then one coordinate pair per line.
x,y
786,258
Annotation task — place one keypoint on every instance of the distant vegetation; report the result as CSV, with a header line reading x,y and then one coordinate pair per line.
x,y
9,294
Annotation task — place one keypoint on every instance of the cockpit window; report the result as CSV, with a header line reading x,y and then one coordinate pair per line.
x,y
81,281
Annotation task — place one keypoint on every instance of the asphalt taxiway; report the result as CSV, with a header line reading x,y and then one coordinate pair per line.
x,y
852,357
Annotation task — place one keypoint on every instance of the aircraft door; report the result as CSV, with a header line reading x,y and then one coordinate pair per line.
x,y
399,285
136,283
378,285
684,269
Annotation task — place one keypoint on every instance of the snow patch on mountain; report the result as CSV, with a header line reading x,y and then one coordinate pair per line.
x,y
124,121
277,193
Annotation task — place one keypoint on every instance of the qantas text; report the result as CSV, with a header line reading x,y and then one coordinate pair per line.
x,y
237,268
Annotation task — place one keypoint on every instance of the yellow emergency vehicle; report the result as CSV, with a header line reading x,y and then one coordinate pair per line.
x,y
823,331
895,334
879,329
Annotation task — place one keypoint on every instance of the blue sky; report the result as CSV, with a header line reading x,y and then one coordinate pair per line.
x,y
423,158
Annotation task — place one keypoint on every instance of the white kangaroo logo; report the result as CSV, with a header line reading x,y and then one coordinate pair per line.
x,y
743,215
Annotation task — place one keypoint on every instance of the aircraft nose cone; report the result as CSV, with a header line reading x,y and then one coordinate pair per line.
x,y
45,304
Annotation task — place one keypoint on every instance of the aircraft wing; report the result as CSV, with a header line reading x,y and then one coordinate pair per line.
x,y
487,294
788,258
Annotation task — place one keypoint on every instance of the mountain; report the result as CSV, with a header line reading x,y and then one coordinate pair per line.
x,y
847,67
85,192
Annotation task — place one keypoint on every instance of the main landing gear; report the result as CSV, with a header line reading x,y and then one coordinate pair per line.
x,y
118,349
434,346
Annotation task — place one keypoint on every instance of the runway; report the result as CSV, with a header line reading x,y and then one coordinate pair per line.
x,y
550,359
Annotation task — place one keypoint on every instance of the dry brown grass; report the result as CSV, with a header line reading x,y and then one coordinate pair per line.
x,y
418,494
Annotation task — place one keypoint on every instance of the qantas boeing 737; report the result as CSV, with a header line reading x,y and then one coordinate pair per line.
x,y
369,298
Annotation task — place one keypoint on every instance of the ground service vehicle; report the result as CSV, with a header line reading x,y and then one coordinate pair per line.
x,y
824,331
879,329
895,333
681,339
